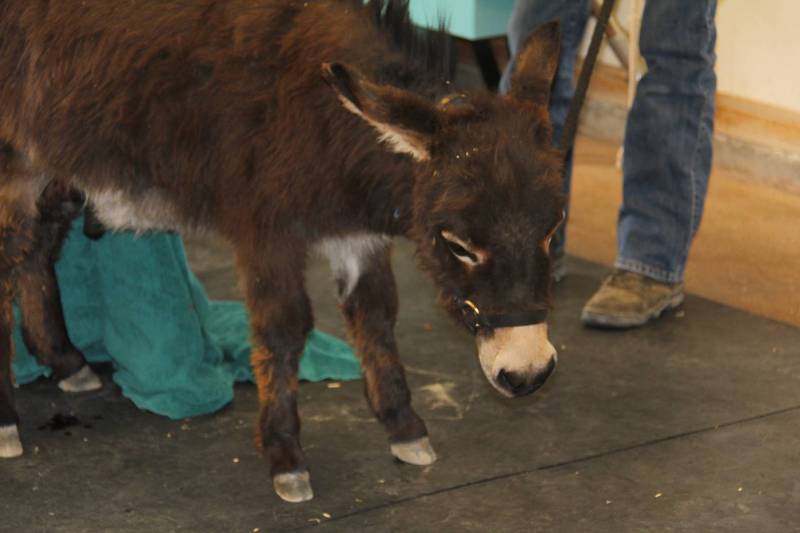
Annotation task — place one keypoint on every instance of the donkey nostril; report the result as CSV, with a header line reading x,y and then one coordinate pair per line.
x,y
523,384
541,378
511,381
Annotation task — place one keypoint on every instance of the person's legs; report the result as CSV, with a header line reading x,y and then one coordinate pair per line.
x,y
666,165
668,140
527,16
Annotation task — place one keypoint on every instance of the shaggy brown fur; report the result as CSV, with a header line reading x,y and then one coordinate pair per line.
x,y
234,116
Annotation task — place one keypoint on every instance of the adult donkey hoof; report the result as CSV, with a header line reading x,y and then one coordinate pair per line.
x,y
84,380
293,487
415,452
10,446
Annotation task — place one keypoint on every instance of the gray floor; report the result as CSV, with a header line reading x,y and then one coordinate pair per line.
x,y
691,424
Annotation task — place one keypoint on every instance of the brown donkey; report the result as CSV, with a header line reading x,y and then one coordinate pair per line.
x,y
236,117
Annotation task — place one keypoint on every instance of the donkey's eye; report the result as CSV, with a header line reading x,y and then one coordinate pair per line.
x,y
462,250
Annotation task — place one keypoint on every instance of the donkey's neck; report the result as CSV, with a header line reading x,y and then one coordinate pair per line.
x,y
376,183
362,185
379,195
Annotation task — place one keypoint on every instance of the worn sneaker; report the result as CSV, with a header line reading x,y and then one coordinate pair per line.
x,y
627,300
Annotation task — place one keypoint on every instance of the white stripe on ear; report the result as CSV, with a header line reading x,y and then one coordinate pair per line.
x,y
405,121
398,141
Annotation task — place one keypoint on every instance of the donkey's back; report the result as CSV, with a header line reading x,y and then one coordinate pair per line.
x,y
204,102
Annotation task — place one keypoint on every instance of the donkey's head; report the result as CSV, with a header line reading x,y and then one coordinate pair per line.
x,y
487,201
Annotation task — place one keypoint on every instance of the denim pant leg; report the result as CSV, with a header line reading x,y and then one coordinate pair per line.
x,y
668,139
526,17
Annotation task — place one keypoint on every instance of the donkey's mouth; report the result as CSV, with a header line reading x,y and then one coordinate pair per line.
x,y
517,361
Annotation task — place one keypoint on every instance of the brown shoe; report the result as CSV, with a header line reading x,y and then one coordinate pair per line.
x,y
627,300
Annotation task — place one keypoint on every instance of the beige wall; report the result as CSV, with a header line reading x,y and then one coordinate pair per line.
x,y
758,49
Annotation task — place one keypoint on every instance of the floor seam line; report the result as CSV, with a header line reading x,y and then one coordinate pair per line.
x,y
599,455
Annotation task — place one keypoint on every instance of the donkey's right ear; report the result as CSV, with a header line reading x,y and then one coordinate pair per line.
x,y
403,120
536,65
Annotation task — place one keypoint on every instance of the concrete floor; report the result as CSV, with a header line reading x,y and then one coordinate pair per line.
x,y
690,424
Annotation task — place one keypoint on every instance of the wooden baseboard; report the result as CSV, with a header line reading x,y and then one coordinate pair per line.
x,y
760,141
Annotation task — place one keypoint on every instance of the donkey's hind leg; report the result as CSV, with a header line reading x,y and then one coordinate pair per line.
x,y
10,445
369,303
43,326
17,213
281,318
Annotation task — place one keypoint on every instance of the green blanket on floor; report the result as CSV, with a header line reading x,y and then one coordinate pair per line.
x,y
133,301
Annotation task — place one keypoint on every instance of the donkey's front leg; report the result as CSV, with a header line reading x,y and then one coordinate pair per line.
x,y
281,320
370,308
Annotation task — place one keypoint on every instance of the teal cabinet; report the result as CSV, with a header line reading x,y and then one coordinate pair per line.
x,y
473,20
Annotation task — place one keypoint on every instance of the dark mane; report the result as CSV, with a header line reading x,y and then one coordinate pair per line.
x,y
427,49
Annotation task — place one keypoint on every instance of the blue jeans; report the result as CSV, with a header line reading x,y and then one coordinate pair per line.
x,y
669,130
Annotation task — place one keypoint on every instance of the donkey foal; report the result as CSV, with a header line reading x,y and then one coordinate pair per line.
x,y
236,117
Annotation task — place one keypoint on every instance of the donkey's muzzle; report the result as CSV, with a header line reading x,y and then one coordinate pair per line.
x,y
518,384
517,360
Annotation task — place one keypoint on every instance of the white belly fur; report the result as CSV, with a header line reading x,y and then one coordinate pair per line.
x,y
148,211
348,256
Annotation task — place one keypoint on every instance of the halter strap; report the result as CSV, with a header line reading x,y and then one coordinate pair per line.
x,y
475,320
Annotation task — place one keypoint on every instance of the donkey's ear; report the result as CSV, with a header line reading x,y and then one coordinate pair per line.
x,y
405,121
536,64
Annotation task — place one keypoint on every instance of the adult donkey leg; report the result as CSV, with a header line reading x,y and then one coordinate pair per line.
x,y
281,319
16,239
369,304
44,330
10,445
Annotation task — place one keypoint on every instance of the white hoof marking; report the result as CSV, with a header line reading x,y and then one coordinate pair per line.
x,y
293,487
83,380
10,446
416,452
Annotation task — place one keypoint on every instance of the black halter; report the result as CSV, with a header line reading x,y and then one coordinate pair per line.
x,y
475,320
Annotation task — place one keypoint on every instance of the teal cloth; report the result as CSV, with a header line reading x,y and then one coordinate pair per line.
x,y
133,301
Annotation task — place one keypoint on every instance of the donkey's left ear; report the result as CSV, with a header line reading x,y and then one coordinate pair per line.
x,y
405,121
536,65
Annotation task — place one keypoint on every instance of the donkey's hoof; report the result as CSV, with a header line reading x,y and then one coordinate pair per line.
x,y
10,446
84,380
293,487
415,452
